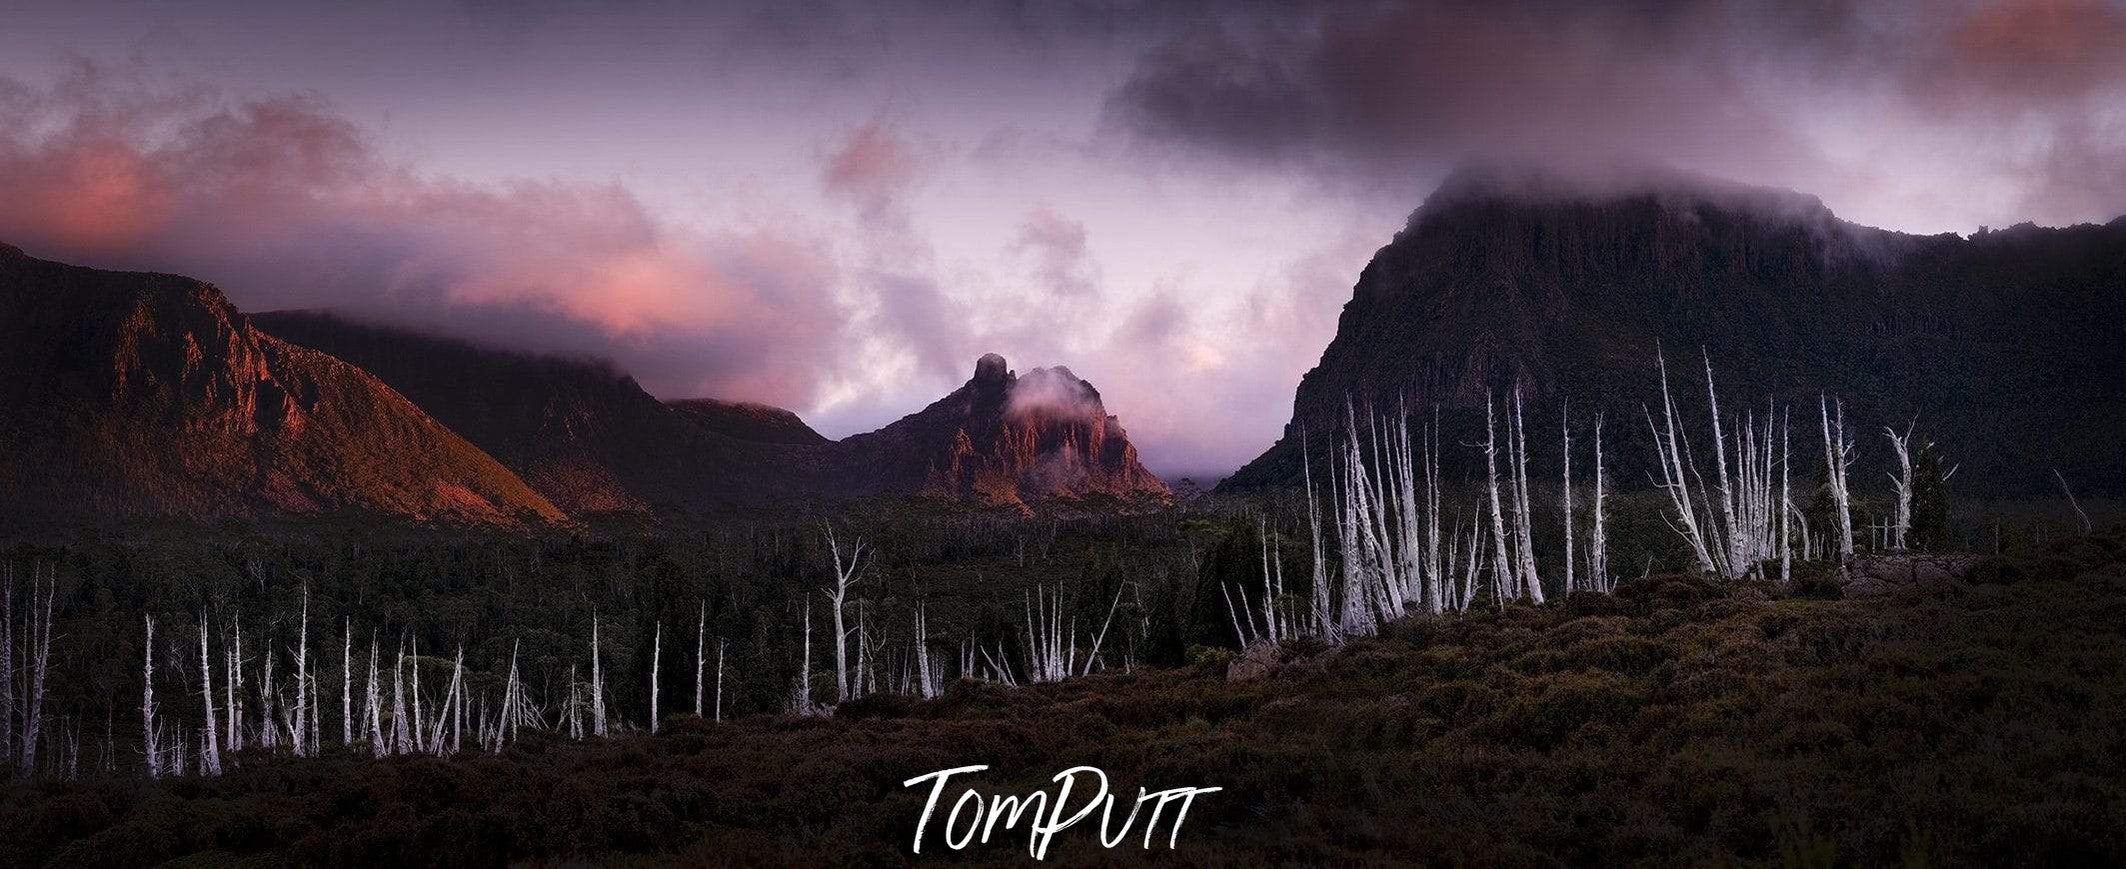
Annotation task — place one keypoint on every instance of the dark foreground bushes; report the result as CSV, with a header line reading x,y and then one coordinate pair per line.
x,y
1680,722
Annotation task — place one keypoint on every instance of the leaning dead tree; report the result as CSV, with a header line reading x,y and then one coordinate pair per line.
x,y
1733,524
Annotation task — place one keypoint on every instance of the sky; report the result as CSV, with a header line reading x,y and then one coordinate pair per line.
x,y
836,207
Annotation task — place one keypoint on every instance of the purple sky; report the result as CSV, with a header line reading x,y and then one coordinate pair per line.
x,y
838,207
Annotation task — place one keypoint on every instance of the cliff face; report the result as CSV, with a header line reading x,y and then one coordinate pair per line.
x,y
2005,345
582,433
137,395
1003,438
591,440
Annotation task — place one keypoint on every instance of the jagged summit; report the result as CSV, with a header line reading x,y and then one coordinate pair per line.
x,y
1008,438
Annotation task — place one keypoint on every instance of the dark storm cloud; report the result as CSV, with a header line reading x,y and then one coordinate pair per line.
x,y
1394,91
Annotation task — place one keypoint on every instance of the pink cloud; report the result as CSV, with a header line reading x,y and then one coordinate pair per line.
x,y
285,204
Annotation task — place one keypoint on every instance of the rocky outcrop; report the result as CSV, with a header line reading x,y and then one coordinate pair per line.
x,y
2005,345
1003,438
134,395
590,439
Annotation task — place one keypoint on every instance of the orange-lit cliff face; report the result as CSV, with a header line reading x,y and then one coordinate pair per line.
x,y
1008,439
592,441
139,394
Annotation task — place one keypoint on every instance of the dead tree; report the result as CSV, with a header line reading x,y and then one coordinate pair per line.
x,y
1325,624
1502,564
7,666
701,628
656,661
233,689
297,737
347,682
1598,539
147,703
37,658
210,752
2077,505
1565,489
1530,584
845,575
597,684
1672,454
375,702
1901,482
1837,457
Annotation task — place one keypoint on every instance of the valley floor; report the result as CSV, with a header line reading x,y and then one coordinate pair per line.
x,y
1676,723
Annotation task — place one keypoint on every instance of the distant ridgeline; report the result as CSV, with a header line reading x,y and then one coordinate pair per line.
x,y
139,396
2008,347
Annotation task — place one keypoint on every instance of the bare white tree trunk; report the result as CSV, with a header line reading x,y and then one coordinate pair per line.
x,y
1092,657
597,684
234,689
1325,623
1565,435
147,703
926,682
844,576
1501,565
575,705
1524,514
1838,456
1672,456
210,752
1598,544
414,725
1435,577
375,702
302,680
401,737
719,679
803,706
1901,516
38,658
2077,505
1786,507
347,682
656,662
7,667
1732,560
701,634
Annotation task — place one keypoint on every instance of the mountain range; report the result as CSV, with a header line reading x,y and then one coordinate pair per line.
x,y
2006,348
135,395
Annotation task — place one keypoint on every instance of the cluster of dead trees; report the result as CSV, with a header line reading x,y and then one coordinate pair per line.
x,y
242,708
26,739
1048,642
1399,549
